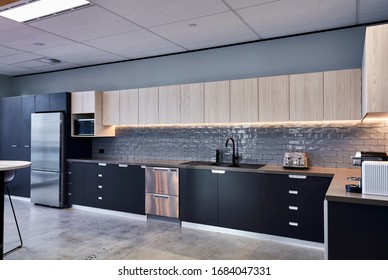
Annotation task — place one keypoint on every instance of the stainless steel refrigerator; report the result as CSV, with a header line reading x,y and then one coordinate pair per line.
x,y
47,159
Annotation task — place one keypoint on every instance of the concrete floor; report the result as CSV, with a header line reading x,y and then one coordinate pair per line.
x,y
74,234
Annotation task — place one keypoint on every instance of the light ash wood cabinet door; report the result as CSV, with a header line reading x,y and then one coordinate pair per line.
x,y
244,100
375,70
83,102
129,107
192,103
110,104
170,104
149,105
274,98
306,97
342,94
217,102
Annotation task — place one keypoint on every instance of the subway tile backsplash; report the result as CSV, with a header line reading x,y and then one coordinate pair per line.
x,y
328,144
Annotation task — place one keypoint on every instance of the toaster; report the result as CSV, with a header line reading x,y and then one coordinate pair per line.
x,y
295,160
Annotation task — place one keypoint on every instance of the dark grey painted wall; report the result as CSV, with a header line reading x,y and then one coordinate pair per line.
x,y
333,50
5,85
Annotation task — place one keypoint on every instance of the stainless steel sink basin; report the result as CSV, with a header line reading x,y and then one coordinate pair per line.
x,y
223,164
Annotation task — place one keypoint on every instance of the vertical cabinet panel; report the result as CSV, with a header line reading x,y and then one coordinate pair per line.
x,y
110,104
342,95
129,107
306,97
244,103
149,105
89,102
192,103
217,102
274,98
169,105
76,102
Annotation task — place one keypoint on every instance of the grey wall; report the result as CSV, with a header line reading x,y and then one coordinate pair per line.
x,y
5,85
339,49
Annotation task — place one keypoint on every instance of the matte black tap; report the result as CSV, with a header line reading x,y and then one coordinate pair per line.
x,y
234,157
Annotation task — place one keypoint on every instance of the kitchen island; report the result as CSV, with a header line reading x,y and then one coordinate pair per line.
x,y
6,165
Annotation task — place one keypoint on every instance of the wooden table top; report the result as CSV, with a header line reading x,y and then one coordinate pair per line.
x,y
13,164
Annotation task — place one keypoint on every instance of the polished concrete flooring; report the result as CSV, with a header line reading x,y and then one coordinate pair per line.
x,y
74,234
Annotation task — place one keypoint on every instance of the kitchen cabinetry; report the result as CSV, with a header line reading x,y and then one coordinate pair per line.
x,y
52,102
192,103
306,97
116,187
293,206
88,105
111,104
375,71
149,105
274,98
129,107
217,102
226,199
244,100
357,231
15,138
342,94
169,105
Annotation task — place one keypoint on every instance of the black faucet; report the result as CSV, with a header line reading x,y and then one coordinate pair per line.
x,y
234,157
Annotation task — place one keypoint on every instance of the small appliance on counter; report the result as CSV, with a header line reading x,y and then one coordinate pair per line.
x,y
295,159
374,173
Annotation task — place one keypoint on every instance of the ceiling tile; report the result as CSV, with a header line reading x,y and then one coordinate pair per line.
x,y
4,51
372,11
16,58
210,31
238,4
61,52
299,16
19,33
33,44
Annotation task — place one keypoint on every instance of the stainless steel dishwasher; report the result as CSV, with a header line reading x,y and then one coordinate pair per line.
x,y
162,191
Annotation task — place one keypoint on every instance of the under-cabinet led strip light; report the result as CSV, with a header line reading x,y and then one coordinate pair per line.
x,y
41,8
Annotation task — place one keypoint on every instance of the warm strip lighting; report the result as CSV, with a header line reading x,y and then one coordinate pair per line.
x,y
41,8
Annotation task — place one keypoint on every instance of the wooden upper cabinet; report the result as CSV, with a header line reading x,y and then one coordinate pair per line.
x,y
192,103
83,102
149,105
170,104
129,107
244,100
342,95
274,98
110,104
306,97
375,70
217,102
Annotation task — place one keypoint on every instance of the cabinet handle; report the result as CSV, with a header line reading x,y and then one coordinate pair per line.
x,y
143,166
69,194
292,192
99,175
14,146
295,208
102,164
218,171
99,197
99,186
293,224
161,169
123,165
161,196
297,176
27,146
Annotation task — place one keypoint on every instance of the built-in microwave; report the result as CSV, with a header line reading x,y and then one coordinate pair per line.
x,y
84,127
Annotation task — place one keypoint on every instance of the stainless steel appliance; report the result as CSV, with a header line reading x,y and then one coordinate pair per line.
x,y
47,159
84,127
295,160
162,191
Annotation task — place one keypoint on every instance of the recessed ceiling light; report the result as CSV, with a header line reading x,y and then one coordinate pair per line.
x,y
49,60
193,25
41,8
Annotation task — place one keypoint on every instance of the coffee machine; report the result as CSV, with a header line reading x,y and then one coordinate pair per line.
x,y
358,159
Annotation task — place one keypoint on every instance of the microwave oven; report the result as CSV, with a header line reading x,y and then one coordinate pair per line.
x,y
84,127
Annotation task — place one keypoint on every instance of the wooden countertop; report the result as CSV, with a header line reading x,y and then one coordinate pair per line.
x,y
13,164
336,191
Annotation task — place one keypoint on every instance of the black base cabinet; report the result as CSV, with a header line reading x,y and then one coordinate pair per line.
x,y
357,231
230,200
293,206
107,186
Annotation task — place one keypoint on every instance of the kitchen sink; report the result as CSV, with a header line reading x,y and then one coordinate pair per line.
x,y
223,164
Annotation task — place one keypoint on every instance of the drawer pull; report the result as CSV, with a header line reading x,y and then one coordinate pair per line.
x,y
297,176
99,198
218,171
102,164
123,165
99,186
292,192
27,146
295,208
293,224
99,175
161,196
14,146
